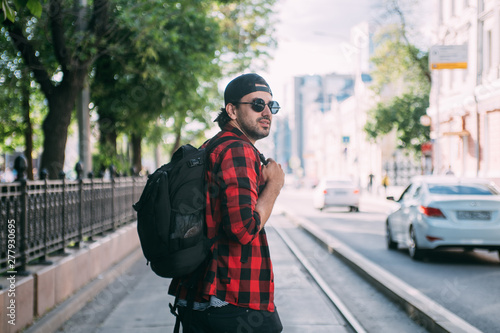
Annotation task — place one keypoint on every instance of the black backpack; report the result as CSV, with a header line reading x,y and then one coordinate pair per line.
x,y
171,213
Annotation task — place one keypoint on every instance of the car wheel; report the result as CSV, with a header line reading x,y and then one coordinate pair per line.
x,y
391,244
415,252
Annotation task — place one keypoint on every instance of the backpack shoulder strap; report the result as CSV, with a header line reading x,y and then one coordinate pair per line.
x,y
212,144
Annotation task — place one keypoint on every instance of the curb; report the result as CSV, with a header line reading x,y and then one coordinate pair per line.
x,y
419,307
51,321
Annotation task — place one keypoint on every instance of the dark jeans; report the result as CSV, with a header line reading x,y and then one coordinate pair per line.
x,y
231,319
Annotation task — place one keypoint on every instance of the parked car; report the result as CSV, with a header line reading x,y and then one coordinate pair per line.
x,y
336,193
446,212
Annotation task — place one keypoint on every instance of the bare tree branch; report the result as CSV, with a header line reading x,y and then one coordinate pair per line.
x,y
425,71
57,31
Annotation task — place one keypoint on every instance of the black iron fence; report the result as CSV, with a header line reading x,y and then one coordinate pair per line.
x,y
401,172
41,217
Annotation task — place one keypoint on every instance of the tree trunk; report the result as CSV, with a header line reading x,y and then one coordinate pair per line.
x,y
107,135
178,134
28,128
136,152
61,98
55,126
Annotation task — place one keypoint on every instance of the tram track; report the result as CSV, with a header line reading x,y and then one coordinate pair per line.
x,y
336,301
427,314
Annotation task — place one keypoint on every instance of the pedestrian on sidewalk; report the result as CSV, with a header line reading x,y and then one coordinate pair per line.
x,y
235,293
370,182
385,183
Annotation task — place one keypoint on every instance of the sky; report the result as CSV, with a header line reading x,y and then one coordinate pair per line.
x,y
311,35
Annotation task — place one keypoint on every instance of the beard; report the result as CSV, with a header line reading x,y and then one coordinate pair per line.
x,y
253,129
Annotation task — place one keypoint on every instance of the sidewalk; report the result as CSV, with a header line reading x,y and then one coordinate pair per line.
x,y
144,306
377,202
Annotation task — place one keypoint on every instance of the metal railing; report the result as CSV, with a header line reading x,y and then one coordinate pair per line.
x,y
41,217
401,172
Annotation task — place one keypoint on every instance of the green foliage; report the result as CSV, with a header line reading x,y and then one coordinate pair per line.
x,y
101,162
403,114
247,34
397,64
400,71
34,6
169,61
14,79
148,62
158,69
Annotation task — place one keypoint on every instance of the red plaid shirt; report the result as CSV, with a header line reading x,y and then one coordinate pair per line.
x,y
240,271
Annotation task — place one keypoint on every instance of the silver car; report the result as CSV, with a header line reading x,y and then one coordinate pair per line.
x,y
446,212
336,193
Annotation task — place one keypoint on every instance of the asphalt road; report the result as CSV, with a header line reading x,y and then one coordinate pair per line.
x,y
466,283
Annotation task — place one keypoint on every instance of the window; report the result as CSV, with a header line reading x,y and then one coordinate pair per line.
x,y
417,192
338,183
488,51
441,9
462,189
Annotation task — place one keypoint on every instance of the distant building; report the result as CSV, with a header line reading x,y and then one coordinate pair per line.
x,y
283,143
314,96
326,127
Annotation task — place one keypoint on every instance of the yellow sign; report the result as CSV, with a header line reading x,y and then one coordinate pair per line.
x,y
450,65
448,57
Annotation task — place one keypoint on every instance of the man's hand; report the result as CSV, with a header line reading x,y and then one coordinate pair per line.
x,y
273,175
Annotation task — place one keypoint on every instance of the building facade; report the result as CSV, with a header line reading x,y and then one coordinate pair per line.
x,y
465,103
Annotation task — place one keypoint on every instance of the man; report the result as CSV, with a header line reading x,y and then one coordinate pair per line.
x,y
236,291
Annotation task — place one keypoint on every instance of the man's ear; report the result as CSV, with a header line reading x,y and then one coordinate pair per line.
x,y
231,110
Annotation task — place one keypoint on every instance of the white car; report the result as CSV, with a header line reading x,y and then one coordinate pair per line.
x,y
336,193
446,212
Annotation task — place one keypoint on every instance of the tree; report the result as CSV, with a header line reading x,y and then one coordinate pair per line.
x,y
397,64
156,73
171,72
62,46
59,63
401,68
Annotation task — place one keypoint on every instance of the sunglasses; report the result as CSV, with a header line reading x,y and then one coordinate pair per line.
x,y
258,105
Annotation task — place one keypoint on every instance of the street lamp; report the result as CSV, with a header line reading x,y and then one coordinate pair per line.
x,y
425,120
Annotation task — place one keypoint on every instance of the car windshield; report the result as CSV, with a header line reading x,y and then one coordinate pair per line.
x,y
462,189
337,183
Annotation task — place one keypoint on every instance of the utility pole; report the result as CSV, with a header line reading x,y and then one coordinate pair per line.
x,y
437,141
479,79
82,107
